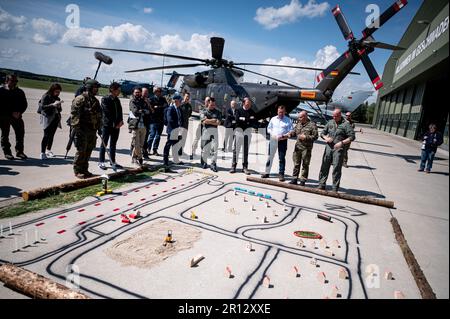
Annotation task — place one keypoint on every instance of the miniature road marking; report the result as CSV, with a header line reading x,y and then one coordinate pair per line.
x,y
62,231
40,224
81,223
62,217
98,204
81,210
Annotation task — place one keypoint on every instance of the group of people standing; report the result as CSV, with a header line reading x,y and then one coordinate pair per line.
x,y
148,117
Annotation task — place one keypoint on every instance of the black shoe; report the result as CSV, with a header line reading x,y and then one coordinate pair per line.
x,y
168,170
293,182
9,157
265,176
214,168
322,187
180,163
335,189
146,156
155,153
21,155
246,171
88,174
233,170
281,178
302,183
141,162
117,166
204,166
191,157
345,165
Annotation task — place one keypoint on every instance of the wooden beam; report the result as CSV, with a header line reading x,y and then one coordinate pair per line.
x,y
354,198
34,285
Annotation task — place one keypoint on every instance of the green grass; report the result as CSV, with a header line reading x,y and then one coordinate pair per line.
x,y
69,197
44,85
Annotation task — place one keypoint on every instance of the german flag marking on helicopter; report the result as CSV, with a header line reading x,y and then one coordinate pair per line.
x,y
377,83
308,95
400,4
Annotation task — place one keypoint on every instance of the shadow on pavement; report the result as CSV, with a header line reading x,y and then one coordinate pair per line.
x,y
9,191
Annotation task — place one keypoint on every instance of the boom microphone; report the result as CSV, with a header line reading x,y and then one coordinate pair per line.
x,y
103,58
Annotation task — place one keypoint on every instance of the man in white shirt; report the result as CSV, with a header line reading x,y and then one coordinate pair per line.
x,y
280,129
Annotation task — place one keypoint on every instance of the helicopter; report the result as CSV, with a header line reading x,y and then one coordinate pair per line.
x,y
128,86
224,79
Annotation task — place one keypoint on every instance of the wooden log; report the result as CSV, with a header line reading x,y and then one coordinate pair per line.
x,y
70,186
354,198
34,285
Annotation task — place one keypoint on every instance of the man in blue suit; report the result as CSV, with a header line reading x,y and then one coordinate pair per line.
x,y
173,119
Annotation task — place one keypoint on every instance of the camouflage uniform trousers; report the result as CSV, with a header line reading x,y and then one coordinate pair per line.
x,y
301,158
346,149
335,158
85,141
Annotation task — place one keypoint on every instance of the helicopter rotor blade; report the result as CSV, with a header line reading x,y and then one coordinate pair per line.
x,y
269,77
381,45
145,52
217,45
371,71
289,66
178,66
343,24
384,17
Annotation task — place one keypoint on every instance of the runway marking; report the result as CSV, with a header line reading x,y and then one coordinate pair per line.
x,y
100,216
116,210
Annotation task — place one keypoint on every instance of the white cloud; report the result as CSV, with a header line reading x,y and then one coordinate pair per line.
x,y
148,10
197,46
47,32
11,25
125,36
272,18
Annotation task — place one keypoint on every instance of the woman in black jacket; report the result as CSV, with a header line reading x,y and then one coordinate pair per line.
x,y
50,110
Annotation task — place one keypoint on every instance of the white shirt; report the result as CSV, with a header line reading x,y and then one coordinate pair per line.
x,y
279,127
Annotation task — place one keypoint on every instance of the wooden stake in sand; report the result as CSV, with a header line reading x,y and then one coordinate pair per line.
x,y
266,282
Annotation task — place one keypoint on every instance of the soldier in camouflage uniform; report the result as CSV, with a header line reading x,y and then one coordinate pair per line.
x,y
306,132
86,120
210,119
348,116
337,133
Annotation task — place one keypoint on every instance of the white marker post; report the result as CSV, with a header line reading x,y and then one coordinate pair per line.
x,y
16,246
25,241
36,236
10,229
1,231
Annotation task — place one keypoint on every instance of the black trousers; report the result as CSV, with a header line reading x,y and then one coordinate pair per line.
x,y
19,129
107,133
49,134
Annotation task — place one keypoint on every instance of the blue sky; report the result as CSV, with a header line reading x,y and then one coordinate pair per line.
x,y
44,45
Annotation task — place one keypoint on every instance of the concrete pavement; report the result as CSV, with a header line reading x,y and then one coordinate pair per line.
x,y
381,165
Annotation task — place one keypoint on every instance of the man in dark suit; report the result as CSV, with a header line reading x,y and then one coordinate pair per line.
x,y
173,119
